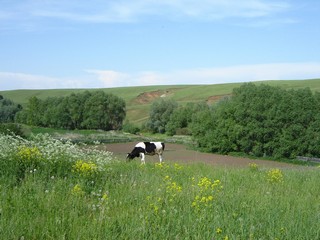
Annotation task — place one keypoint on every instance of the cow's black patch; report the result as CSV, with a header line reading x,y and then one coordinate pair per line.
x,y
162,144
150,148
136,152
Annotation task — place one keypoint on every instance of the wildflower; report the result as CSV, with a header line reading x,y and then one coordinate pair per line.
x,y
159,165
77,190
104,197
205,196
29,156
218,230
177,166
167,178
84,168
275,176
253,166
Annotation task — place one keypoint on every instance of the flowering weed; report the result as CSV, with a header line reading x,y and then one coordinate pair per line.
x,y
275,176
205,190
46,154
85,169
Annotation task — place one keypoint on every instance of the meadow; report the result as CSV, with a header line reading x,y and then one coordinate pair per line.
x,y
55,190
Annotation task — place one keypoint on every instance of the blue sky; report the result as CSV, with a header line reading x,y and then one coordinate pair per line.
x,y
47,44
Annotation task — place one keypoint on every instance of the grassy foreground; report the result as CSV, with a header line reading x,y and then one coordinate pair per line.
x,y
51,190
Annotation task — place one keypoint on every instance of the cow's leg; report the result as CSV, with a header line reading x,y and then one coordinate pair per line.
x,y
160,158
142,155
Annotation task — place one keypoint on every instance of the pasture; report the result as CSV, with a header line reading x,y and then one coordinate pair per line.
x,y
51,190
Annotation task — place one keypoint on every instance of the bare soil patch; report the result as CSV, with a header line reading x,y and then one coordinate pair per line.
x,y
180,154
213,99
148,97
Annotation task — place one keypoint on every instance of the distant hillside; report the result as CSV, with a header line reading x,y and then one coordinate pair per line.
x,y
139,99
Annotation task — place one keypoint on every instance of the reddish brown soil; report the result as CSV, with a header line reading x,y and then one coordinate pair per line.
x,y
216,98
148,97
180,154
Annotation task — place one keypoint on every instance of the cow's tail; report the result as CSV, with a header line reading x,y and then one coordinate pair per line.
x,y
163,146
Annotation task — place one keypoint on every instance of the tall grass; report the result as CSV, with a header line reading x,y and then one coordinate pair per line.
x,y
95,197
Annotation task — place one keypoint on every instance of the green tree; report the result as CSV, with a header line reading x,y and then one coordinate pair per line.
x,y
34,112
8,110
182,117
262,121
160,113
103,111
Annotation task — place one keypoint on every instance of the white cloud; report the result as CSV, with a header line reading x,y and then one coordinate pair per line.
x,y
134,10
246,73
10,81
110,79
240,73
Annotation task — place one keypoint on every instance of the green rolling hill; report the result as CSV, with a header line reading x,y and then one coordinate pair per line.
x,y
139,99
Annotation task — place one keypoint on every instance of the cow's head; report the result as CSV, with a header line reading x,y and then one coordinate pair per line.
x,y
130,156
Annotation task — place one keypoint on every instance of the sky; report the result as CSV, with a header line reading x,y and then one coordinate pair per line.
x,y
54,44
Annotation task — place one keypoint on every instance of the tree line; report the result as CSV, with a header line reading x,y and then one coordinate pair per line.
x,y
258,120
87,110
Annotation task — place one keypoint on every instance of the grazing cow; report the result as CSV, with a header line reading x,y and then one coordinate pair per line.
x,y
146,148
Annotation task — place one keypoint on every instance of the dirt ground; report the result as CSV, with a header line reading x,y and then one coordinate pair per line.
x,y
180,154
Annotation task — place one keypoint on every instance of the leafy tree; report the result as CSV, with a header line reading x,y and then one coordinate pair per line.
x,y
35,111
8,110
75,108
182,117
263,121
96,110
160,113
103,111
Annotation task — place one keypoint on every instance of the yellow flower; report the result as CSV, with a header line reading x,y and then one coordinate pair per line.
x,y
77,190
253,166
159,165
275,176
218,230
206,188
167,178
104,197
29,154
177,166
84,168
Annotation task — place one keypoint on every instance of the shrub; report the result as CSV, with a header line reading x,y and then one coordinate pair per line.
x,y
11,128
41,152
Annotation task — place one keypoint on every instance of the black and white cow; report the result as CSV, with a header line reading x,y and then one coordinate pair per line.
x,y
146,148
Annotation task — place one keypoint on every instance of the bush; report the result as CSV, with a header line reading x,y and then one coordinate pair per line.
x,y
130,128
19,156
11,128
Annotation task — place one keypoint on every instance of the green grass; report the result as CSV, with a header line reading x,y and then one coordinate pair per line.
x,y
122,200
138,112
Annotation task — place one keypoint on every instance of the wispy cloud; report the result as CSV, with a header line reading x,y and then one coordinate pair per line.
x,y
30,12
109,78
11,80
241,73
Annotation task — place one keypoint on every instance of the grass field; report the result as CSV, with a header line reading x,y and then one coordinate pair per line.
x,y
51,190
137,111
